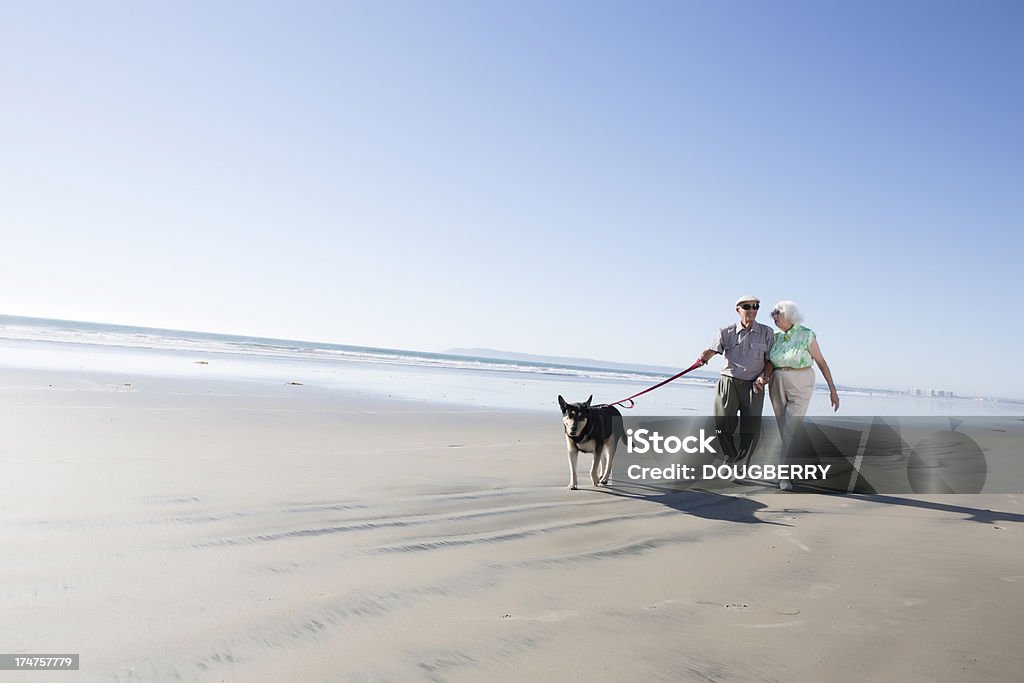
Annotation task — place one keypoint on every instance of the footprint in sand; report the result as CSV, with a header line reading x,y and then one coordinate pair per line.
x,y
785,611
784,624
547,616
814,590
731,606
664,603
786,533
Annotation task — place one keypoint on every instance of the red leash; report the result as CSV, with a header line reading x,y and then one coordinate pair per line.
x,y
659,384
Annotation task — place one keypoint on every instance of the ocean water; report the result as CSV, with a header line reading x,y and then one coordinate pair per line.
x,y
400,374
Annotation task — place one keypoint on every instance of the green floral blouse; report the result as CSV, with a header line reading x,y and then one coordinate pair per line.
x,y
791,349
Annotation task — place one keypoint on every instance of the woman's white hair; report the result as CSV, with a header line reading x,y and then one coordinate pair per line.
x,y
790,311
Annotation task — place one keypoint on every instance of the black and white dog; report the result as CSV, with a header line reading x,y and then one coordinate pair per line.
x,y
591,429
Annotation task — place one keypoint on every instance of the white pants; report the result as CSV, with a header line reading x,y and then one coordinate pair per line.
x,y
791,394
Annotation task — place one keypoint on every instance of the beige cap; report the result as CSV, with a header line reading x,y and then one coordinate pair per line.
x,y
744,299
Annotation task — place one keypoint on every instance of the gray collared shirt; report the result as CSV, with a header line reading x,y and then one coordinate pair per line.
x,y
746,351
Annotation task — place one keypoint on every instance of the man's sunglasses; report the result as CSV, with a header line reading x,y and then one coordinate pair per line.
x,y
747,307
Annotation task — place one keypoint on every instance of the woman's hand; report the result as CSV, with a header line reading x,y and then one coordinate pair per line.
x,y
833,396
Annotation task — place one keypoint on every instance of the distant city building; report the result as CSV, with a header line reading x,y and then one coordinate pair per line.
x,y
930,393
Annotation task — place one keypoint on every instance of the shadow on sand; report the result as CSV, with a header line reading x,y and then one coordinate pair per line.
x,y
697,502
981,515
710,504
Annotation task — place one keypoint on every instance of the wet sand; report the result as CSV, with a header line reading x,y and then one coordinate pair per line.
x,y
213,530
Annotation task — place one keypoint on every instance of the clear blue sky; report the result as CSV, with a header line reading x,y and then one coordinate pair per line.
x,y
591,179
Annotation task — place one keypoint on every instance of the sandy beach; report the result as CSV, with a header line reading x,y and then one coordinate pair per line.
x,y
173,529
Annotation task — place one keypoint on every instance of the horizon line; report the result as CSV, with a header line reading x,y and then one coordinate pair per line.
x,y
848,388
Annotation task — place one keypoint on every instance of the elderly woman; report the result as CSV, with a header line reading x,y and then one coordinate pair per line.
x,y
792,381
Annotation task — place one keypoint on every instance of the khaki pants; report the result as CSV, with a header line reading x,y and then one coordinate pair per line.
x,y
790,392
737,396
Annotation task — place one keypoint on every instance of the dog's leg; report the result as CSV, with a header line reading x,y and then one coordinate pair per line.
x,y
609,455
595,467
573,454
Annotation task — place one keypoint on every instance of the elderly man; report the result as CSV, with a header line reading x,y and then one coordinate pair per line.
x,y
746,346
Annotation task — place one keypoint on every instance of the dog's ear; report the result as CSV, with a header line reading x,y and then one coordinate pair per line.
x,y
589,400
561,403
